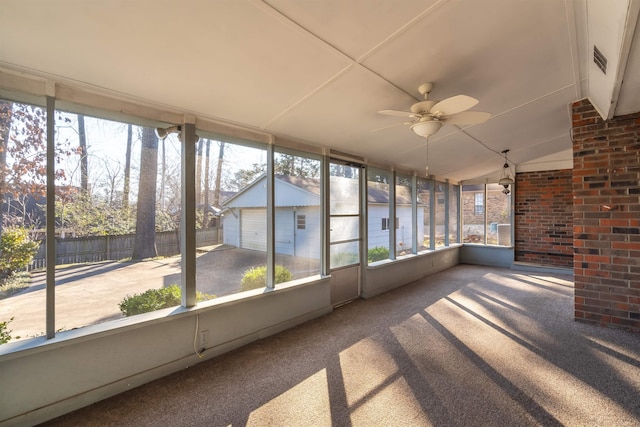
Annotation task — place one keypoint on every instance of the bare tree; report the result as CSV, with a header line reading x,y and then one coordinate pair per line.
x,y
23,153
5,129
216,193
84,158
145,242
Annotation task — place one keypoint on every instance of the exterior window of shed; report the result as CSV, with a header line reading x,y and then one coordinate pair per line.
x,y
301,221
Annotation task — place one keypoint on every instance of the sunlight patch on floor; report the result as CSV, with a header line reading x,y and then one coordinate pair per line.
x,y
307,403
366,367
392,405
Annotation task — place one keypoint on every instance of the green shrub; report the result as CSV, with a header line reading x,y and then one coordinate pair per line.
x,y
16,251
377,254
14,284
156,299
5,332
256,277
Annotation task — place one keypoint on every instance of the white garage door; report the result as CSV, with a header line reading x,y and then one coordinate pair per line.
x,y
253,229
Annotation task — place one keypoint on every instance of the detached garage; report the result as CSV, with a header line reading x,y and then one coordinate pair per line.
x,y
297,217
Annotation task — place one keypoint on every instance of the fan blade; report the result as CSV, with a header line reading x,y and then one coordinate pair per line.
x,y
467,118
397,113
390,126
453,105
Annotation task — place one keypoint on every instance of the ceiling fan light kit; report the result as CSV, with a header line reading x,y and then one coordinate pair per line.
x,y
426,128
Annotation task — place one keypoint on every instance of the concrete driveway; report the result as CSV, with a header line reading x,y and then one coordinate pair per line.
x,y
87,294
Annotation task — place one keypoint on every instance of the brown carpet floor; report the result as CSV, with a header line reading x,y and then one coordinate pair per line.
x,y
470,346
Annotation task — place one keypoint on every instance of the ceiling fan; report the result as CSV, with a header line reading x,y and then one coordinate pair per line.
x,y
430,115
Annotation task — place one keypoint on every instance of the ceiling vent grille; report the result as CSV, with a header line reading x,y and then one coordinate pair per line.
x,y
600,59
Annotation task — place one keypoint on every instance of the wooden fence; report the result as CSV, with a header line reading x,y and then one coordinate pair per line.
x,y
102,248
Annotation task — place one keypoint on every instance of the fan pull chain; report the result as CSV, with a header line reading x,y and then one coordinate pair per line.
x,y
427,168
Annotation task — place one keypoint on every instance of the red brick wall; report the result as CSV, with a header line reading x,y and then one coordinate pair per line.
x,y
544,218
606,184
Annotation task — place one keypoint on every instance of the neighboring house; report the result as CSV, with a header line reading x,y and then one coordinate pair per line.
x,y
297,215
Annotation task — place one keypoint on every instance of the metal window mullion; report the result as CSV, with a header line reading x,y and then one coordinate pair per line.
x,y
459,211
392,216
414,214
51,221
363,229
188,216
270,219
484,209
339,242
446,213
432,214
325,216
512,223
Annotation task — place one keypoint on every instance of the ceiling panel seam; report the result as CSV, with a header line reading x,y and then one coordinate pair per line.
x,y
553,92
285,20
401,30
573,45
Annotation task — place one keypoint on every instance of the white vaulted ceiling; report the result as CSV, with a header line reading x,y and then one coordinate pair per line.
x,y
318,71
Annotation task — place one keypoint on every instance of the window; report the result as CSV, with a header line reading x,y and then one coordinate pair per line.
x,y
379,211
496,206
405,215
440,214
386,225
119,199
297,215
233,183
454,212
344,207
472,222
498,216
301,222
22,208
478,203
424,214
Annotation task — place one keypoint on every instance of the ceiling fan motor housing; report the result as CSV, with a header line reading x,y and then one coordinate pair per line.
x,y
422,107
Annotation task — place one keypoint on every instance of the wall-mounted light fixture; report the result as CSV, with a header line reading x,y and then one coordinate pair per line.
x,y
162,133
505,180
